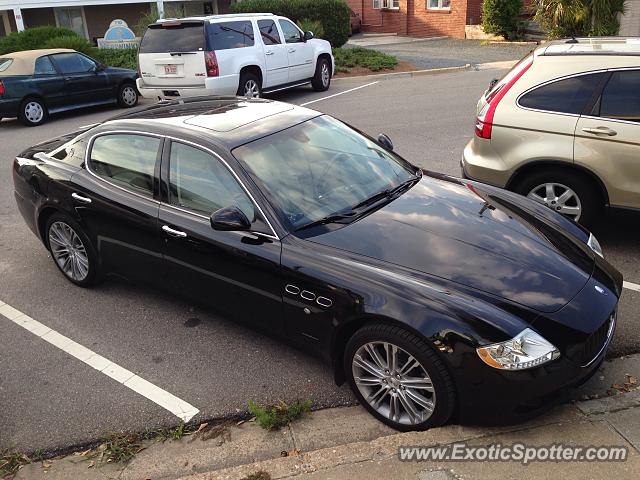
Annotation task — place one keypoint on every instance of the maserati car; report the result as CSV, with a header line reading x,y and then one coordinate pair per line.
x,y
437,299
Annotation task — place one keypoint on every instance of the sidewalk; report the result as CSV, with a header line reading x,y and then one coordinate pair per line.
x,y
348,443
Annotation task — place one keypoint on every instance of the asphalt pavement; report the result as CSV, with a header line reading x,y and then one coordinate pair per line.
x,y
49,399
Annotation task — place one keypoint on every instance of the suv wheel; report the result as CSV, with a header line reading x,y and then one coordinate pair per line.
x,y
567,193
322,78
33,112
399,378
250,86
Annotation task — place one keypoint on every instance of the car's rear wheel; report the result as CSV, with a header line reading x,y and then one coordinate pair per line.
x,y
250,85
322,78
127,96
72,250
33,112
565,192
399,378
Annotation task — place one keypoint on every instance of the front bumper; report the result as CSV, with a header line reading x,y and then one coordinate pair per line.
x,y
225,85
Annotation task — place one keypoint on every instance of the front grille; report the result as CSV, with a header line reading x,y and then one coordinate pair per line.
x,y
597,341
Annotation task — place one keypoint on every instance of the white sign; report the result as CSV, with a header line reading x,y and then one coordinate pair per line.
x,y
119,35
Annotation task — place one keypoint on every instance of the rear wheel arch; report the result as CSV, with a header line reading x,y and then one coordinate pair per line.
x,y
43,217
255,69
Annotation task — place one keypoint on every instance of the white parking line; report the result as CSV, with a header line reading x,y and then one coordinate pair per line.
x,y
337,94
178,407
631,286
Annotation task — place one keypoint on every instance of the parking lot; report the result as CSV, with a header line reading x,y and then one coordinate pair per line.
x,y
50,399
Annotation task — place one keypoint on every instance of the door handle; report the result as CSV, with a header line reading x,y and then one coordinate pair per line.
x,y
269,52
600,131
80,198
172,232
291,50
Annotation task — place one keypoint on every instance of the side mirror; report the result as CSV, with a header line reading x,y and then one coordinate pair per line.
x,y
492,83
230,219
385,141
308,36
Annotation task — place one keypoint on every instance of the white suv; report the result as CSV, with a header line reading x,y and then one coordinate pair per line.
x,y
245,54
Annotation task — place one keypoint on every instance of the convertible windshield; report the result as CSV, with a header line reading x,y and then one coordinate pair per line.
x,y
321,169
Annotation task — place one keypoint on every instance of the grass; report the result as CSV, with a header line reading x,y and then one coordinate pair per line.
x,y
279,415
164,434
117,448
373,60
10,462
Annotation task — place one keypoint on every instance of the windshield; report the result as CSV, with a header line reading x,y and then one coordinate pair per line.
x,y
320,168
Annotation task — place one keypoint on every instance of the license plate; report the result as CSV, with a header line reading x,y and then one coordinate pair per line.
x,y
170,69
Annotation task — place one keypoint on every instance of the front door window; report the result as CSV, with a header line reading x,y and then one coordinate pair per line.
x,y
72,18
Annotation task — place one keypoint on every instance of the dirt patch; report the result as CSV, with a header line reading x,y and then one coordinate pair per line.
x,y
402,66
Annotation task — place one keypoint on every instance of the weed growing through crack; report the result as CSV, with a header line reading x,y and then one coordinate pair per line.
x,y
259,475
10,462
279,415
118,447
164,434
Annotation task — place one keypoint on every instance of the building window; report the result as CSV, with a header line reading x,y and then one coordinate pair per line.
x,y
438,4
391,4
72,18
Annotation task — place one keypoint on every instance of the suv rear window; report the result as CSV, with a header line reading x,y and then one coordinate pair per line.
x,y
569,95
227,35
173,37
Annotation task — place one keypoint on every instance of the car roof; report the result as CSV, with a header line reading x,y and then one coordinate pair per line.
x,y
226,16
231,121
24,62
624,46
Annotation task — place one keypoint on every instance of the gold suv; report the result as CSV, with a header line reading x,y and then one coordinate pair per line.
x,y
563,127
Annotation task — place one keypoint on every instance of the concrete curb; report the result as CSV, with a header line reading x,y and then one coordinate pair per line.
x,y
394,75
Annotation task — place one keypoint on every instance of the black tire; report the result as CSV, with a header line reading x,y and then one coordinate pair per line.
x,y
128,95
27,113
322,81
93,275
445,396
587,193
249,80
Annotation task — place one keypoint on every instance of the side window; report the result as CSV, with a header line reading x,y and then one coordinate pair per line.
x,y
73,153
269,32
564,96
44,67
227,35
621,97
73,63
199,181
128,160
290,32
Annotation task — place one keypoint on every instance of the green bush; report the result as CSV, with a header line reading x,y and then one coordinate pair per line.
x,y
32,38
116,57
333,14
579,18
374,60
73,42
502,17
314,26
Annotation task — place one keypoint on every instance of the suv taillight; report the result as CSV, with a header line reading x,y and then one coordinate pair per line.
x,y
2,90
211,64
484,121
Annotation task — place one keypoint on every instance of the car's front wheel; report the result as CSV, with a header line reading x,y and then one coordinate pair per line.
x,y
322,78
33,112
399,378
72,250
127,96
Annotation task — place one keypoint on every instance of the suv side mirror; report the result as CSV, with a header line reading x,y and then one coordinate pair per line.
x,y
308,36
385,141
230,219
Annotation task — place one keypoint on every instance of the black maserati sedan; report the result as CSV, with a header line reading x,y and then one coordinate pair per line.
x,y
435,298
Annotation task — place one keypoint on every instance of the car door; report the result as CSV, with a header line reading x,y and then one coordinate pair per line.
x,y
607,140
115,197
300,53
233,272
275,54
48,82
85,83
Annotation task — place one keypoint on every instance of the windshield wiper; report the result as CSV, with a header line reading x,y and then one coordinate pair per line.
x,y
328,219
388,193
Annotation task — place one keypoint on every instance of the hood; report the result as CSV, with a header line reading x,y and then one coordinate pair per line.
x,y
484,239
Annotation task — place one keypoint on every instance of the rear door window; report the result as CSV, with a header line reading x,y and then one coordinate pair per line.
x,y
620,98
228,35
269,32
569,95
173,37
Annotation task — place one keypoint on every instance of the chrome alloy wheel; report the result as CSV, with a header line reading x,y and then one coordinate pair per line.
x,y
393,382
33,112
558,197
68,251
129,96
251,89
325,75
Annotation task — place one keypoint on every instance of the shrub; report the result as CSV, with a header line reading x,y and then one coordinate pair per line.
x,y
502,17
279,415
577,18
374,60
32,38
116,57
314,26
73,42
332,14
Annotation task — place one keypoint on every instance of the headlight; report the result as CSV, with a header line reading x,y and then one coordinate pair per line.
x,y
526,350
595,245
